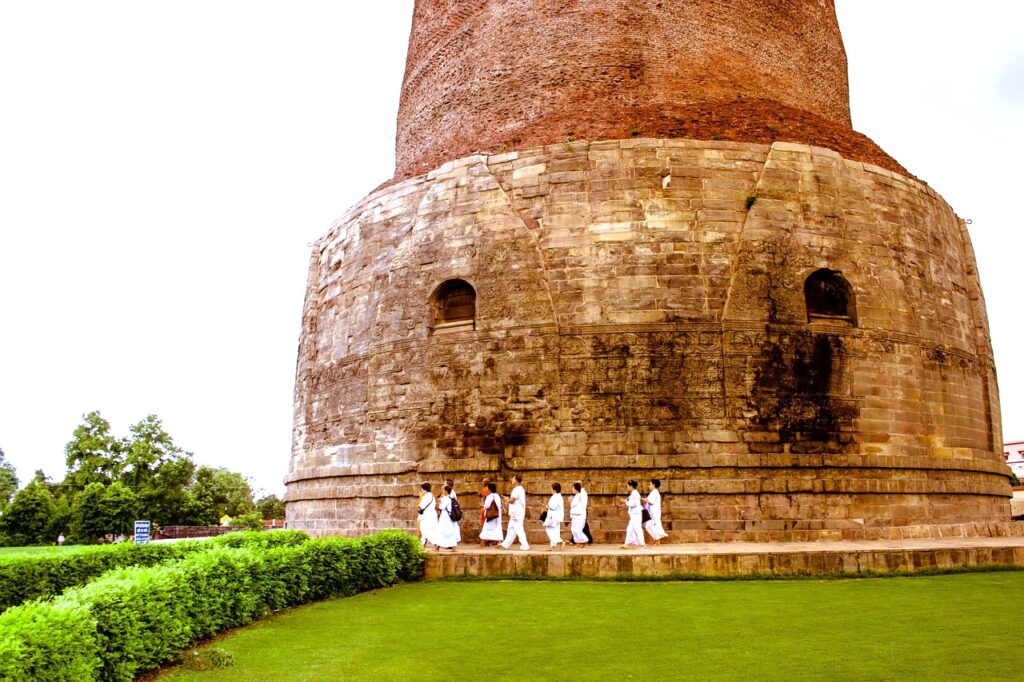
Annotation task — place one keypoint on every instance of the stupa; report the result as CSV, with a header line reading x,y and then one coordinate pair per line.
x,y
634,239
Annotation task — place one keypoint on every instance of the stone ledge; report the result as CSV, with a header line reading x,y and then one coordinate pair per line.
x,y
732,560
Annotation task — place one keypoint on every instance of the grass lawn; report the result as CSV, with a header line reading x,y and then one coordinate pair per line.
x,y
938,627
38,549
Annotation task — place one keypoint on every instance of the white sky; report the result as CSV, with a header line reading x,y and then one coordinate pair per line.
x,y
165,166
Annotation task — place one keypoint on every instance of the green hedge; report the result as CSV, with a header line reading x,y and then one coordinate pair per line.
x,y
27,576
136,619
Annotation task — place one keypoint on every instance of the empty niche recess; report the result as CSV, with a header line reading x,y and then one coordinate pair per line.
x,y
829,297
453,307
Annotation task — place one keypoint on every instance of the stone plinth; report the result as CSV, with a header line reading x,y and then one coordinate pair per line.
x,y
641,312
729,560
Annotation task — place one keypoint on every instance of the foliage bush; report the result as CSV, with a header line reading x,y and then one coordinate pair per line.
x,y
24,577
135,619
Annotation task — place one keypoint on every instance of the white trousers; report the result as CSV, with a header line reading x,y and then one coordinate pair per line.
x,y
554,534
515,529
654,528
576,524
635,531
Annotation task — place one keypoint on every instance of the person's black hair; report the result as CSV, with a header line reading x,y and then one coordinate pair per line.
x,y
656,483
577,486
517,478
426,486
449,482
557,487
632,484
447,488
492,487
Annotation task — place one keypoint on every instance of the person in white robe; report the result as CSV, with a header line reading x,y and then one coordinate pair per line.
x,y
516,516
446,532
634,531
491,530
653,506
450,484
427,515
555,517
578,514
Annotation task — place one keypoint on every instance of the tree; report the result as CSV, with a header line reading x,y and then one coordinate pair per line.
x,y
60,518
120,509
8,481
252,521
93,455
270,507
88,522
221,492
158,471
27,519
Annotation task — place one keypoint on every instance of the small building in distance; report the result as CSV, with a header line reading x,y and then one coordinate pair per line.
x,y
1014,452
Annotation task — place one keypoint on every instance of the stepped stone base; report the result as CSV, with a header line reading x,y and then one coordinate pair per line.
x,y
733,559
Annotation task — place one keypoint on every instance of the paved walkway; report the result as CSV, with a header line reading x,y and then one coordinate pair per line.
x,y
756,547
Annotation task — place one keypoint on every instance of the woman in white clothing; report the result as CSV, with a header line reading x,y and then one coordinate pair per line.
x,y
446,533
427,515
634,531
653,527
492,530
555,517
578,515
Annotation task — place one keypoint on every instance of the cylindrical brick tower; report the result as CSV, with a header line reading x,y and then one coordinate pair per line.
x,y
639,239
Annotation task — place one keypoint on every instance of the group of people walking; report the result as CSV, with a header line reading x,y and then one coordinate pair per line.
x,y
439,517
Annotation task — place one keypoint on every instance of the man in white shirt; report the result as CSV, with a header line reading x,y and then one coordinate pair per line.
x,y
516,516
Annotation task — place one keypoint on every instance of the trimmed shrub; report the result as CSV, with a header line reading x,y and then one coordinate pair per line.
x,y
135,619
48,641
27,576
268,538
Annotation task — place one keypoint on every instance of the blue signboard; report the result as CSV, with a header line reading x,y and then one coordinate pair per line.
x,y
142,529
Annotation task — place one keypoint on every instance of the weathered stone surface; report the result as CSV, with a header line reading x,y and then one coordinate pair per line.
x,y
738,559
640,313
506,75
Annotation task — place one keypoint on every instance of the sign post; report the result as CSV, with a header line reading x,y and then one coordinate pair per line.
x,y
142,529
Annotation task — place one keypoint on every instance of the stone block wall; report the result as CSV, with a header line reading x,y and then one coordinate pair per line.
x,y
640,313
507,74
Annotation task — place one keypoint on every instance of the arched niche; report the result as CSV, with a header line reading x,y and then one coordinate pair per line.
x,y
828,296
453,307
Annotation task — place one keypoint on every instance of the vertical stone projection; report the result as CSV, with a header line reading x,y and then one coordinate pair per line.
x,y
722,286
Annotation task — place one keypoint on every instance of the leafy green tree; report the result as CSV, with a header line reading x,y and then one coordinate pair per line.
x,y
88,516
120,508
60,518
27,519
221,492
192,512
270,507
252,521
93,455
8,481
158,471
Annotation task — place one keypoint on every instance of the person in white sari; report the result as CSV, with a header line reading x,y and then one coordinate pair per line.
x,y
450,484
555,517
427,515
446,532
491,530
653,526
634,531
516,517
578,514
